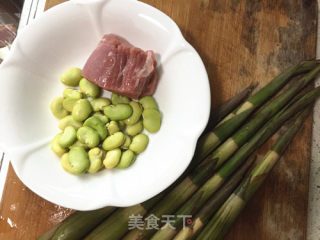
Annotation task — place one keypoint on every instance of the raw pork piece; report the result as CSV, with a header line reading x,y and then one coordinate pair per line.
x,y
119,67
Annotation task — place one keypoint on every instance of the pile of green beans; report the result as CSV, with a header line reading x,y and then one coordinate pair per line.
x,y
98,132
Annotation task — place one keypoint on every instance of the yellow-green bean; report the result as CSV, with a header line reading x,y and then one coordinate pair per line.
x,y
57,109
139,143
89,88
112,158
113,141
71,77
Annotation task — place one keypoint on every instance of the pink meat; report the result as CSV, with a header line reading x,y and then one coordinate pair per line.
x,y
117,66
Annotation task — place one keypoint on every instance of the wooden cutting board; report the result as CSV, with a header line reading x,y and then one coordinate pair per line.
x,y
240,41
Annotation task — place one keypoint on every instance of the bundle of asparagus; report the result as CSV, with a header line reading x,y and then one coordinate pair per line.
x,y
197,191
219,225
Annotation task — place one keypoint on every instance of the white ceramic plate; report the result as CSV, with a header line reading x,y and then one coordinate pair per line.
x,y
64,37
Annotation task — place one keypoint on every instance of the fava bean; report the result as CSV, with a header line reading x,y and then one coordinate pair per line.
x,y
56,107
126,143
70,97
134,129
96,124
71,93
69,121
113,127
68,103
151,120
89,88
116,99
71,77
148,102
112,158
136,114
55,146
95,157
101,116
88,136
81,110
98,104
79,160
127,158
68,137
65,163
117,112
113,141
139,143
79,144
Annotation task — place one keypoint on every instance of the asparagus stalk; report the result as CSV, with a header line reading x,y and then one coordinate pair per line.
x,y
215,137
220,224
233,143
116,225
217,114
193,204
169,205
77,225
213,184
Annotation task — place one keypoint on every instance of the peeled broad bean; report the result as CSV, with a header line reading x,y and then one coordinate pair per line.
x,y
113,141
134,129
126,143
79,144
95,157
112,158
98,104
71,77
69,121
96,124
68,103
55,146
139,143
127,158
116,99
65,163
79,160
151,120
113,127
136,114
70,98
68,137
81,110
56,107
101,116
88,136
148,102
117,112
71,93
89,88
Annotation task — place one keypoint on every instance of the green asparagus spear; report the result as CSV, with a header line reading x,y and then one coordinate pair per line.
x,y
184,190
197,200
77,225
213,184
220,224
217,114
225,128
116,225
233,143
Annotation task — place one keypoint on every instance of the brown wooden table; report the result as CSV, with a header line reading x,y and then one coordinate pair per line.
x,y
239,42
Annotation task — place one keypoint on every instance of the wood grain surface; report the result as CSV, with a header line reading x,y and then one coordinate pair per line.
x,y
240,41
